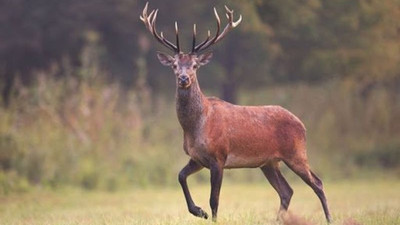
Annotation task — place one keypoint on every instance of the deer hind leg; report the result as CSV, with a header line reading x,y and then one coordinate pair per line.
x,y
301,168
279,183
190,168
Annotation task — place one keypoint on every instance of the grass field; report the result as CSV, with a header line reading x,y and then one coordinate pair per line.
x,y
351,202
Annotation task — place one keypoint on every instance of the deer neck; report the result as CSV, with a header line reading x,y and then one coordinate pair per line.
x,y
190,107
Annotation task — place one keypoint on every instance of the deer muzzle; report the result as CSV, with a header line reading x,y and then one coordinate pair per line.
x,y
184,81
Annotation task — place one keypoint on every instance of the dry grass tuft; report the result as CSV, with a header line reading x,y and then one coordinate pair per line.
x,y
351,221
288,218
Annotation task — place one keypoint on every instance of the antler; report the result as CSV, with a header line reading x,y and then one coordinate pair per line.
x,y
207,43
149,21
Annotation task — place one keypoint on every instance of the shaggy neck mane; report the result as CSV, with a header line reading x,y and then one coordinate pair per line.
x,y
190,103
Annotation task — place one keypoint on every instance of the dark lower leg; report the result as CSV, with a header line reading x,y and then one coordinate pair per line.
x,y
216,181
280,184
189,169
318,189
314,182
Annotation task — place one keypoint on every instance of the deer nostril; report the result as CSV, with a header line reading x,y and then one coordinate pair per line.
x,y
183,78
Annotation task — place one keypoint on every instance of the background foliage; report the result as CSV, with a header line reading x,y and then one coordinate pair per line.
x,y
85,102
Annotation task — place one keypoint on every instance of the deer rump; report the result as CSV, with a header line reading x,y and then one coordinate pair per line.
x,y
245,136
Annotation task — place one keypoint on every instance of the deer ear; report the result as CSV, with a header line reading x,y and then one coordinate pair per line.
x,y
203,59
165,59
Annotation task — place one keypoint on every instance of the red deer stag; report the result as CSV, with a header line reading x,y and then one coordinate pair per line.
x,y
220,135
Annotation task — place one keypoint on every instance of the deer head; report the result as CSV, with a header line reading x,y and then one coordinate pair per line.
x,y
185,65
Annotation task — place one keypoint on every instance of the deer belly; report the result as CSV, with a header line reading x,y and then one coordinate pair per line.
x,y
250,150
243,161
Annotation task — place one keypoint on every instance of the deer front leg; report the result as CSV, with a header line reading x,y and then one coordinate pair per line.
x,y
216,170
190,168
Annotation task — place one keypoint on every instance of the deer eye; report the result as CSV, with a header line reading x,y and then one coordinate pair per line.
x,y
174,66
195,66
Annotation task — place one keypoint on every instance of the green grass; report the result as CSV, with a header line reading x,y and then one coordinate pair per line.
x,y
367,202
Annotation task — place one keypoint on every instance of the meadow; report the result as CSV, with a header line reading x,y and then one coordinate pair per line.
x,y
103,156
89,133
351,202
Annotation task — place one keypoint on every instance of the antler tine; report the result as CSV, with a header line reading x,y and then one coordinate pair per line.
x,y
231,24
208,42
150,23
159,37
196,49
177,36
147,18
229,15
194,38
144,13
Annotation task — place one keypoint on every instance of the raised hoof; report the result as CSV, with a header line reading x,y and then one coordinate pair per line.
x,y
197,211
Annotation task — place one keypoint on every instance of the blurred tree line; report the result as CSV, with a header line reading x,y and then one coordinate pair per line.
x,y
83,95
278,41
